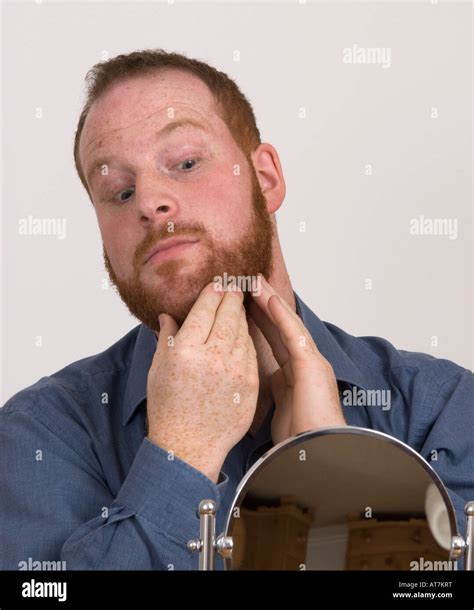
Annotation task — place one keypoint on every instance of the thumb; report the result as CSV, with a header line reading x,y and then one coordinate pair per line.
x,y
168,328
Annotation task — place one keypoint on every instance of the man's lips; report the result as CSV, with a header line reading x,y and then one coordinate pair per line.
x,y
172,243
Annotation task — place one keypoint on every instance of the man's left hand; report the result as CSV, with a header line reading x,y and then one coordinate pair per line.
x,y
304,387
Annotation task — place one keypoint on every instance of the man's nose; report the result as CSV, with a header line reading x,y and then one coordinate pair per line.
x,y
155,198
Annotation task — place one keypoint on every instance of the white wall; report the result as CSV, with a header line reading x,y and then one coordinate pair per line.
x,y
291,57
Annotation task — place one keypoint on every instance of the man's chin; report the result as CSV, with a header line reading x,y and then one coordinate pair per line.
x,y
177,304
173,286
174,296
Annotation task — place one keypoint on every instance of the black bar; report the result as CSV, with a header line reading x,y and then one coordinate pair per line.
x,y
195,590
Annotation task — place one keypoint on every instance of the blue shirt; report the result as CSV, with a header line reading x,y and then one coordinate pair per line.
x,y
81,483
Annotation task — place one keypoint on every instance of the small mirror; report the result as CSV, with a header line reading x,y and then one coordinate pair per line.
x,y
341,499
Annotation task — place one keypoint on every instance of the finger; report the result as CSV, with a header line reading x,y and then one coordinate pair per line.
x,y
293,333
240,343
270,332
252,362
244,346
198,323
168,328
262,300
225,329
244,352
251,352
266,291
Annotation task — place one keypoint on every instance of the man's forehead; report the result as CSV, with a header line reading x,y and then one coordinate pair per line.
x,y
153,102
180,116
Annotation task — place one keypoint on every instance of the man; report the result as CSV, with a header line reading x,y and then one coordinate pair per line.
x,y
104,463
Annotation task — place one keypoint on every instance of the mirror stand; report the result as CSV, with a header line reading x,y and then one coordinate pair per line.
x,y
207,545
461,546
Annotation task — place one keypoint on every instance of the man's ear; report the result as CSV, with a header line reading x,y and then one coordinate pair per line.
x,y
266,163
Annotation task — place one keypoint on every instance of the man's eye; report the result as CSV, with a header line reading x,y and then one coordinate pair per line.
x,y
126,194
188,164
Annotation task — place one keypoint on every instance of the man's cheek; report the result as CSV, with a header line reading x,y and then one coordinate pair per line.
x,y
218,194
122,262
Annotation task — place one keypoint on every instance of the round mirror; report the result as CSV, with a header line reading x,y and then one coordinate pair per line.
x,y
341,498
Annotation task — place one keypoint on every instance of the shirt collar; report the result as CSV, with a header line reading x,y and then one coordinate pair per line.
x,y
344,367
142,357
135,392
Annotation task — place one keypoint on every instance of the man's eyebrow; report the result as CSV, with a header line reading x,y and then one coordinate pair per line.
x,y
170,127
164,132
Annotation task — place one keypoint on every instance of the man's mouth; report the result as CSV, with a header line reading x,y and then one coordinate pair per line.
x,y
167,248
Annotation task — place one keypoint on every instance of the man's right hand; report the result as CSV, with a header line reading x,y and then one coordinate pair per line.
x,y
203,382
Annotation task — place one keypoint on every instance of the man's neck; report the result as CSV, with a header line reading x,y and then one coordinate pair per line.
x,y
267,365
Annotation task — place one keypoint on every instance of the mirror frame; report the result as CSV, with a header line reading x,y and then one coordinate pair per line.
x,y
269,456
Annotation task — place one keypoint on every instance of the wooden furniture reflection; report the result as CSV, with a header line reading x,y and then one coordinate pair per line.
x,y
390,545
271,537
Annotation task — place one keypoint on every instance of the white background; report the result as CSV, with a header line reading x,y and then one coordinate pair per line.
x,y
290,58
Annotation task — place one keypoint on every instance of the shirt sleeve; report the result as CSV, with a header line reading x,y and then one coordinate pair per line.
x,y
449,446
49,492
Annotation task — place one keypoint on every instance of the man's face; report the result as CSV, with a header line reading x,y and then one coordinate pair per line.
x,y
189,181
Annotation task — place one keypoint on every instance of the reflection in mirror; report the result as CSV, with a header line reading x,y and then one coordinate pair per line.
x,y
353,500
